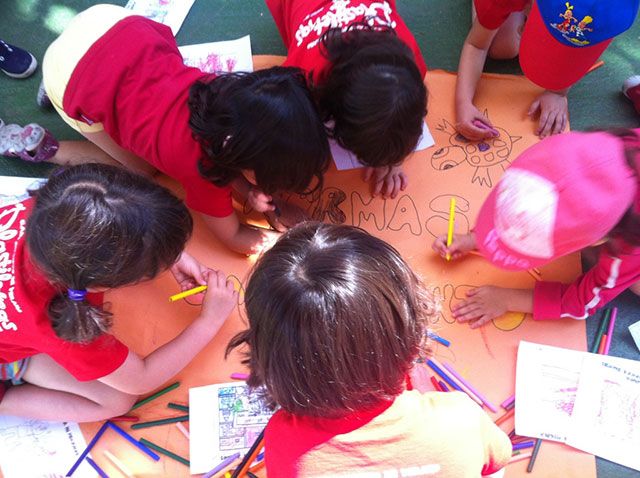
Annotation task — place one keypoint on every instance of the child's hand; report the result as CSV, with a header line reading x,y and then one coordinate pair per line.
x,y
482,305
387,180
554,111
469,117
289,215
461,245
220,299
264,240
260,201
188,272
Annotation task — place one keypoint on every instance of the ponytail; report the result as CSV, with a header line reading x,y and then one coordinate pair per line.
x,y
77,320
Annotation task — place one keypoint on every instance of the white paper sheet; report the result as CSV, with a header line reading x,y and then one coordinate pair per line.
x,y
169,12
40,449
221,56
546,386
347,160
606,415
223,419
14,189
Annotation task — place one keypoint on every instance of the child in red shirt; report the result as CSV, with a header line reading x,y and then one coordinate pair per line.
x,y
567,193
91,228
336,322
119,79
367,71
557,41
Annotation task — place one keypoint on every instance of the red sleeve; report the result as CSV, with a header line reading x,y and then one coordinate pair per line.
x,y
493,13
611,276
206,198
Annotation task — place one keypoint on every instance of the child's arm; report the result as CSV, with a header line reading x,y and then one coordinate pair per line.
x,y
490,302
137,376
240,237
472,58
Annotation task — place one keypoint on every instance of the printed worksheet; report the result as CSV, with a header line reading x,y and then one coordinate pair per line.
x,y
40,449
546,386
219,57
224,419
15,189
606,415
169,12
347,160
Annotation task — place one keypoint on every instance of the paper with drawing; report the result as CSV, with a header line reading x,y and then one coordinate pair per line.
x,y
224,419
169,12
219,57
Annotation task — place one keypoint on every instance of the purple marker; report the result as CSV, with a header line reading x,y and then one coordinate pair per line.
x,y
482,125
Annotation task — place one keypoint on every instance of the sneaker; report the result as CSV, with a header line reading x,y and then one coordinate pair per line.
x,y
631,89
32,143
42,98
16,62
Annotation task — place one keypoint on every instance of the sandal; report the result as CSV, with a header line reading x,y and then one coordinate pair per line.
x,y
32,143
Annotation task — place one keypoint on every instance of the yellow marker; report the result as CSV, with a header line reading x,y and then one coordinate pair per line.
x,y
187,293
452,212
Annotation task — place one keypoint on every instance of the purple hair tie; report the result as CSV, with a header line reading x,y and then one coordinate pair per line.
x,y
77,295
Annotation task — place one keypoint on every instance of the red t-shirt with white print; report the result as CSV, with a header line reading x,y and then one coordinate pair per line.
x,y
25,328
302,22
419,435
493,13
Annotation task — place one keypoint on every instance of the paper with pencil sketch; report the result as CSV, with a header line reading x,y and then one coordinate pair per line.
x,y
219,57
40,449
14,189
169,12
606,415
225,418
546,386
347,160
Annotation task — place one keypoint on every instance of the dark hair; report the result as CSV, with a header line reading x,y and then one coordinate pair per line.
x,y
628,227
336,319
264,121
374,93
94,225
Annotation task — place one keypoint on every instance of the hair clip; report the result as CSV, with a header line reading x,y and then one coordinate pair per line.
x,y
77,295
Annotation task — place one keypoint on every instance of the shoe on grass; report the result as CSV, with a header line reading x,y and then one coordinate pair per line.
x,y
631,89
32,143
16,62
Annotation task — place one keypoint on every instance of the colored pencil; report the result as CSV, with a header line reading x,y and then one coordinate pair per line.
x,y
534,455
443,386
439,339
125,418
133,441
163,421
222,465
242,469
512,434
444,376
518,457
183,430
461,386
524,444
95,466
257,466
464,382
533,274
436,385
505,417
239,376
164,451
115,461
508,401
156,395
86,451
603,341
598,337
452,213
595,66
612,324
177,406
187,293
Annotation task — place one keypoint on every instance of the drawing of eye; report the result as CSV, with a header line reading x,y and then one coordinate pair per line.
x,y
440,152
448,165
483,146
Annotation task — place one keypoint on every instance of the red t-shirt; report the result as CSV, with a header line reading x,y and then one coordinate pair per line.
x,y
25,328
133,81
302,22
493,13
419,435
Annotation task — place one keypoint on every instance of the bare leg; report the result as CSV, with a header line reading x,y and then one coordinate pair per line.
x,y
51,393
506,43
635,288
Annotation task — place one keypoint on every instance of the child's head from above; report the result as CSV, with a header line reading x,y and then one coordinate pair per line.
x,y
374,94
96,226
264,121
561,195
336,319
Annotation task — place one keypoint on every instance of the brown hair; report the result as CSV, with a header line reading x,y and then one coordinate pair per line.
x,y
95,225
336,319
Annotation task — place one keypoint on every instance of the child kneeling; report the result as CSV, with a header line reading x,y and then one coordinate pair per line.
x,y
337,320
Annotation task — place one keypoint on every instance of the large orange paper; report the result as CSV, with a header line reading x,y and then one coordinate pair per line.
x,y
145,319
